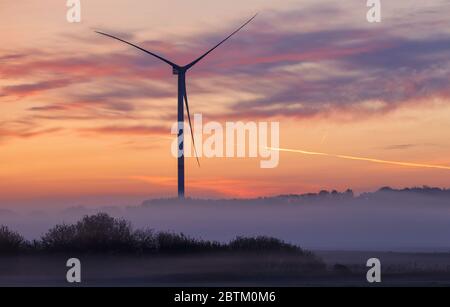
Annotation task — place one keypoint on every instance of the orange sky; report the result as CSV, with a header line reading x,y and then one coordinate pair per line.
x,y
84,116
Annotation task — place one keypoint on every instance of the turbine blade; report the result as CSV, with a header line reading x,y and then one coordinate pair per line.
x,y
189,119
142,49
209,51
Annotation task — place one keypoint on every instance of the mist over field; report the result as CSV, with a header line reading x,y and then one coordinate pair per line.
x,y
387,220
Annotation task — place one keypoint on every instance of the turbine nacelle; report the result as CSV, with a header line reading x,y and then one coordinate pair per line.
x,y
177,70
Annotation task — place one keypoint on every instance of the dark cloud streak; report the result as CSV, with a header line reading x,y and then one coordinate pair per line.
x,y
351,67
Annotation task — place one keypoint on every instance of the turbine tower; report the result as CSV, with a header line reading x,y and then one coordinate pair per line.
x,y
181,71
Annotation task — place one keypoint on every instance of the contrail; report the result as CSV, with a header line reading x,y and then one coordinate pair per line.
x,y
362,158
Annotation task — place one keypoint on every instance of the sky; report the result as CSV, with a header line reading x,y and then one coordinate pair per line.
x,y
86,120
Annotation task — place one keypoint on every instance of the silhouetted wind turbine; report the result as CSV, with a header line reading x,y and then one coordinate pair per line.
x,y
182,95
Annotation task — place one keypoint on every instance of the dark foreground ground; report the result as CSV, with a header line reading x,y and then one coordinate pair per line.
x,y
399,269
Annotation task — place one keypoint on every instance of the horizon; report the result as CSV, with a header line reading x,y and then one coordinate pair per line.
x,y
55,205
396,220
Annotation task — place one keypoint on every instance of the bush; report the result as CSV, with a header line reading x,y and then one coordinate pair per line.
x,y
59,238
96,233
104,234
10,241
145,241
177,243
262,244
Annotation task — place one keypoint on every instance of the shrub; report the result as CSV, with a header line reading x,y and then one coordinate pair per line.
x,y
96,233
60,238
10,241
145,241
262,244
104,234
178,243
101,232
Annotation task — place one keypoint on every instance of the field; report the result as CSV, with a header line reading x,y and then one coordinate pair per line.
x,y
399,269
113,253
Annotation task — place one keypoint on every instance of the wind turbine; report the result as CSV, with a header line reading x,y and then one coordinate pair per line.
x,y
181,71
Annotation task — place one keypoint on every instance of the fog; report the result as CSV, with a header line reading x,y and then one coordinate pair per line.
x,y
388,220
